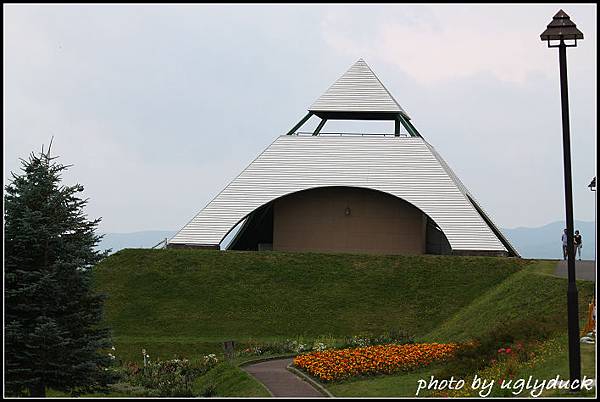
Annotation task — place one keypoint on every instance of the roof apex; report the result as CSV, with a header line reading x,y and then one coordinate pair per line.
x,y
358,90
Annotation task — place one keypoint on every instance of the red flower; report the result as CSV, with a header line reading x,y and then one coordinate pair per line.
x,y
508,350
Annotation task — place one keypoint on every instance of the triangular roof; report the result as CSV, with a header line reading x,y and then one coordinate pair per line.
x,y
357,90
405,167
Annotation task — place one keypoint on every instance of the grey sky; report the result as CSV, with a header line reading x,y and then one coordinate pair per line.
x,y
160,106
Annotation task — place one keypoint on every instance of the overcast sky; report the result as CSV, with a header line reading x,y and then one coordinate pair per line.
x,y
159,107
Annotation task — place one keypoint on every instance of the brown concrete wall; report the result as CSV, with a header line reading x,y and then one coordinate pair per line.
x,y
315,220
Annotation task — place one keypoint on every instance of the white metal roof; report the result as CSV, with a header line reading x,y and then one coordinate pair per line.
x,y
358,90
406,167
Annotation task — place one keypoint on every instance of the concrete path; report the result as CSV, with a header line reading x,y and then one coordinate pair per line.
x,y
584,270
281,382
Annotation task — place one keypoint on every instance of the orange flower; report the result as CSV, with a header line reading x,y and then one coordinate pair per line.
x,y
330,365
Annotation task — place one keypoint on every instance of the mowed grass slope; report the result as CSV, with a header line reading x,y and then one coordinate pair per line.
x,y
528,295
188,301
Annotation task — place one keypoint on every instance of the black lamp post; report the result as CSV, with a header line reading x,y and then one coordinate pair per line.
x,y
562,30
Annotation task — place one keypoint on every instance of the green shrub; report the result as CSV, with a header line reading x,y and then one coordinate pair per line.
x,y
301,345
483,350
126,389
209,390
368,339
255,348
173,378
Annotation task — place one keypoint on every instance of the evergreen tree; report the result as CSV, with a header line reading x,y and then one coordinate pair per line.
x,y
53,335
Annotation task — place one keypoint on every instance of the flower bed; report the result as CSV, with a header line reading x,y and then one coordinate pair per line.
x,y
333,365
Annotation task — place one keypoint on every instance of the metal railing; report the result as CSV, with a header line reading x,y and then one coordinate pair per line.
x,y
310,133
162,244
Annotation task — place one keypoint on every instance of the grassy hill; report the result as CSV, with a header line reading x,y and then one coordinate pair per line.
x,y
189,301
529,294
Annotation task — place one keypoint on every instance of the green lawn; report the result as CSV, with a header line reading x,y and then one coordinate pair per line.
x,y
404,385
555,361
529,293
187,302
228,380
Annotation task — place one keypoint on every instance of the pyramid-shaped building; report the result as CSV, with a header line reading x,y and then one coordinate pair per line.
x,y
378,193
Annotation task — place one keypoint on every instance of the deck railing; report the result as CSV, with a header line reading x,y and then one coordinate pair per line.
x,y
309,133
162,244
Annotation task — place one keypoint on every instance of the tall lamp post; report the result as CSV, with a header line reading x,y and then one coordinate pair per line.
x,y
563,33
592,187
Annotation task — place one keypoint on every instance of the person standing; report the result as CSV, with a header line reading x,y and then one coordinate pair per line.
x,y
578,244
564,244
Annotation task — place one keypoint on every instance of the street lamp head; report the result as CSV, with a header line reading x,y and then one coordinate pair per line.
x,y
592,184
561,29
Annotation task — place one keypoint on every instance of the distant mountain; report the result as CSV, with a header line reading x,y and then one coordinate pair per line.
x,y
539,242
545,241
147,239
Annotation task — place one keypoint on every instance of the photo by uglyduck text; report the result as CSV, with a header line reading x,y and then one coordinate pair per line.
x,y
484,387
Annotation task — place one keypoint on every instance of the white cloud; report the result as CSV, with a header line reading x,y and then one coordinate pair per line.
x,y
455,41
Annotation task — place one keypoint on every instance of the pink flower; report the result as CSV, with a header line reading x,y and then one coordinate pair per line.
x,y
501,350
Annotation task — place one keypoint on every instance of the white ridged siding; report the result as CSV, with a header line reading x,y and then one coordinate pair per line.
x,y
404,167
464,190
358,90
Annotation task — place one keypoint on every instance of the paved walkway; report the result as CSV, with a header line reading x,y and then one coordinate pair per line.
x,y
584,270
281,382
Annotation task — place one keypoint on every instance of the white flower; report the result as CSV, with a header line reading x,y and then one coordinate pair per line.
x,y
320,346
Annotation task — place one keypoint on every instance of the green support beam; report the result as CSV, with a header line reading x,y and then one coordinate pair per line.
x,y
300,123
409,127
320,126
397,127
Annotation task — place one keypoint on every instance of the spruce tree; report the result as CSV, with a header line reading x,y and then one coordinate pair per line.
x,y
53,335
